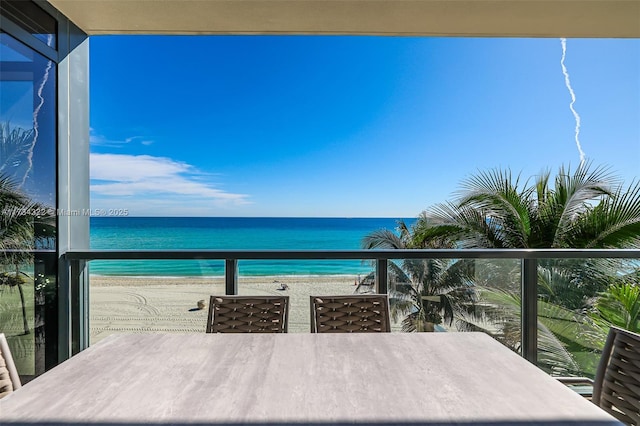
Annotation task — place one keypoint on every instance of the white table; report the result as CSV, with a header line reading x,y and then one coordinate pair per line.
x,y
429,378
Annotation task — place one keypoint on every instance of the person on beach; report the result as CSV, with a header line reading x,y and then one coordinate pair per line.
x,y
283,286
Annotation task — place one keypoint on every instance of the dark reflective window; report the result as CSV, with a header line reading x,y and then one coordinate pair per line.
x,y
30,17
28,297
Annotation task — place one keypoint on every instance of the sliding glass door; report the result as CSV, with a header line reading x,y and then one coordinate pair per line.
x,y
28,182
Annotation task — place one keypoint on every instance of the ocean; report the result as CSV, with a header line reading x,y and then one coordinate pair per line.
x,y
232,233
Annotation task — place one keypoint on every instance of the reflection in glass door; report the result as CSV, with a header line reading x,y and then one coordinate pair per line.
x,y
27,203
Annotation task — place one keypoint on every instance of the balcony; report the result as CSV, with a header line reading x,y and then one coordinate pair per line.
x,y
508,299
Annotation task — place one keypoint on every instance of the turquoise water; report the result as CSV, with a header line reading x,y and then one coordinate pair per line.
x,y
175,233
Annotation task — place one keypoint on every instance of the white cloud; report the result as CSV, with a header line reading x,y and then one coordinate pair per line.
x,y
134,168
140,139
100,140
159,181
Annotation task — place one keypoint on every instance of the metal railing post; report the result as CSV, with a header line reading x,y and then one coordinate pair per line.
x,y
529,310
65,277
382,284
73,307
231,276
79,307
83,306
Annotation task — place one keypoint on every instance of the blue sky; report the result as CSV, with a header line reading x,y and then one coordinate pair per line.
x,y
345,126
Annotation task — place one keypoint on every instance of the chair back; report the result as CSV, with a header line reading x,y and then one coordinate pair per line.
x,y
361,313
248,314
9,379
616,386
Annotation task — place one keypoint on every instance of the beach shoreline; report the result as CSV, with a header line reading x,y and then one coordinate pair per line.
x,y
128,304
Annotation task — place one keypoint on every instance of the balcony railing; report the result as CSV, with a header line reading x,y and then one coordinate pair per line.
x,y
74,292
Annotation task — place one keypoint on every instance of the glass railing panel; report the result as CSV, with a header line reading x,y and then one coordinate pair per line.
x,y
457,295
578,301
148,296
158,268
301,279
497,307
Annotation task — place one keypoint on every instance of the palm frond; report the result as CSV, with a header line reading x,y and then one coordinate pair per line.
x,y
573,192
497,193
466,225
620,306
382,239
614,223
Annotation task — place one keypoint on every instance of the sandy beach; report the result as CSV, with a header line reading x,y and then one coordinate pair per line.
x,y
165,304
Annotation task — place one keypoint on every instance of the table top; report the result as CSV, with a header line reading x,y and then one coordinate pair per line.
x,y
382,379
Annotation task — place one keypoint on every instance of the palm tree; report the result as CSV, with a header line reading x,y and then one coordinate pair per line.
x,y
587,208
457,292
426,292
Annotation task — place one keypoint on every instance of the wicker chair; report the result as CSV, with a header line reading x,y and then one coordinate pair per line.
x,y
248,314
616,387
361,313
9,379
